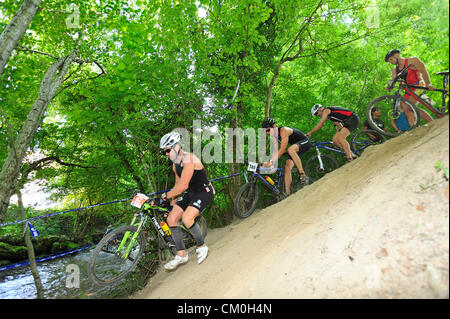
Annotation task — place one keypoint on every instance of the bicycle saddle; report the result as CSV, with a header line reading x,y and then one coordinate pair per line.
x,y
442,73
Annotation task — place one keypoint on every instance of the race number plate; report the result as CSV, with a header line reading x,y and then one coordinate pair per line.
x,y
252,166
139,200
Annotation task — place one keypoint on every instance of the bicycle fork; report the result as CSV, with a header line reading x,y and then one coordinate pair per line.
x,y
319,157
133,238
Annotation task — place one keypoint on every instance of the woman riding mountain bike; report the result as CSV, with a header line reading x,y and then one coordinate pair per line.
x,y
190,176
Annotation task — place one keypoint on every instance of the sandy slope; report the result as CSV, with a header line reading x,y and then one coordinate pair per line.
x,y
366,230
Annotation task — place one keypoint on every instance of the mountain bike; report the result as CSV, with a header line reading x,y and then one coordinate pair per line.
x,y
248,194
120,250
321,164
391,106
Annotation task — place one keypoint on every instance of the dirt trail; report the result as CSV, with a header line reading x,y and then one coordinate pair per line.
x,y
375,228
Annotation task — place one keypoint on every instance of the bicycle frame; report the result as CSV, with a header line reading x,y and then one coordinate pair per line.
x,y
435,111
144,213
274,188
318,145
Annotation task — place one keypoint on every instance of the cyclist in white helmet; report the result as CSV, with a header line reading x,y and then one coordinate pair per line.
x,y
190,176
346,121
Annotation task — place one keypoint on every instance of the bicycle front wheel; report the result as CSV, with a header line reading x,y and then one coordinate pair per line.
x,y
365,138
315,171
246,200
390,114
116,255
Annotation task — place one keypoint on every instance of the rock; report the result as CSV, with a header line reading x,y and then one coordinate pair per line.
x,y
382,253
12,253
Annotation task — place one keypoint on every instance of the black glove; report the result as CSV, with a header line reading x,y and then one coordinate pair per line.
x,y
161,202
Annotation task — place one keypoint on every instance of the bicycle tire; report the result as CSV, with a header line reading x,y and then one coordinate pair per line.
x,y
247,194
364,139
312,167
384,103
110,272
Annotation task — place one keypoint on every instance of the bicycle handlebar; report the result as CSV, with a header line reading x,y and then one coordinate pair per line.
x,y
398,77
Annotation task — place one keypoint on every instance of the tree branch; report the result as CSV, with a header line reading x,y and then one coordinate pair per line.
x,y
22,48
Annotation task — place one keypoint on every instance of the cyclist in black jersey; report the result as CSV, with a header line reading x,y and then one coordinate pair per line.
x,y
299,144
346,121
190,176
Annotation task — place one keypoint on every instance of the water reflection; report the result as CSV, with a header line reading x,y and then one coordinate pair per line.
x,y
18,283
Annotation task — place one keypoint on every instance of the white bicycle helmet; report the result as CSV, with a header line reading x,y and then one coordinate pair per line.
x,y
315,108
169,140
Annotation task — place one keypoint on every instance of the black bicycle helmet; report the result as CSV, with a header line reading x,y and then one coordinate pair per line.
x,y
268,122
391,53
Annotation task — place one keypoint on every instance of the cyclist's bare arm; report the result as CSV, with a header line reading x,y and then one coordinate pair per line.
x,y
394,74
284,135
319,125
417,64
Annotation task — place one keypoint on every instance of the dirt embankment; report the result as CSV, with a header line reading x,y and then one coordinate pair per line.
x,y
375,228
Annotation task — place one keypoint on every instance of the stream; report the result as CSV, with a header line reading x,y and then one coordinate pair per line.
x,y
18,283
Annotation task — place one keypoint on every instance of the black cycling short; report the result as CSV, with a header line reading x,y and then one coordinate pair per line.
x,y
303,146
199,200
352,122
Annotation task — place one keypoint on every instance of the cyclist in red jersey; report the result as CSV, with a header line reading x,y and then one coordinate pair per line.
x,y
417,74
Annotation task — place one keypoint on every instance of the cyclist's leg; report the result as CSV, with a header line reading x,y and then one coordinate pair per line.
x,y
197,205
340,139
350,125
189,216
423,114
295,151
409,113
288,176
175,215
173,221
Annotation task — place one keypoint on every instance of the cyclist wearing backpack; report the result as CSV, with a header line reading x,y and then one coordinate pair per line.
x,y
299,144
190,176
417,75
346,121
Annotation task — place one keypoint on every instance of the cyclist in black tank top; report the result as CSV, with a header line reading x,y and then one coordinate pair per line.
x,y
190,176
346,121
299,144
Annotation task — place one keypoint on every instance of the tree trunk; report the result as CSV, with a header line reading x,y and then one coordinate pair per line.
x,y
270,89
234,183
53,78
15,29
31,255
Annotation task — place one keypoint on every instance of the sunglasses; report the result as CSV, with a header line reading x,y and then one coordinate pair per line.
x,y
167,151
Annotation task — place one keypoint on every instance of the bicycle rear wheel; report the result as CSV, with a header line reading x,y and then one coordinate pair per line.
x,y
315,171
365,138
116,255
390,113
246,200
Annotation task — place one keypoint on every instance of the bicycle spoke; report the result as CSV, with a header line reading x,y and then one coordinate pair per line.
x,y
394,115
116,255
364,139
